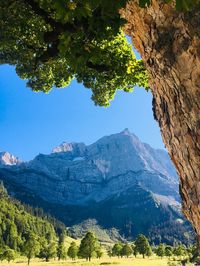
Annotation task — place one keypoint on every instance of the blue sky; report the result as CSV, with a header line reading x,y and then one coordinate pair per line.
x,y
32,123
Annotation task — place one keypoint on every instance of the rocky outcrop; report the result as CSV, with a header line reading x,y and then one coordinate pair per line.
x,y
75,148
8,159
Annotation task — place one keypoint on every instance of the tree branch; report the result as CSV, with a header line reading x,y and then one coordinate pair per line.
x,y
51,52
99,68
52,37
58,26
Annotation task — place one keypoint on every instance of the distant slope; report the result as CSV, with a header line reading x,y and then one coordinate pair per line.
x,y
130,213
16,224
46,212
103,235
118,181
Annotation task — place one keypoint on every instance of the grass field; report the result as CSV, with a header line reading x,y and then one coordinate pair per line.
x,y
95,262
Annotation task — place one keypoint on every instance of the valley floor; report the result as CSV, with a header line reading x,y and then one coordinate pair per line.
x,y
96,262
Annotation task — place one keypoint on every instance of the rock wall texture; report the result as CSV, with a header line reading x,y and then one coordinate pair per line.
x,y
169,43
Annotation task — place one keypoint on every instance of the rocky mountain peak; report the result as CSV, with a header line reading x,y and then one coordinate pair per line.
x,y
70,147
75,173
8,159
63,147
126,131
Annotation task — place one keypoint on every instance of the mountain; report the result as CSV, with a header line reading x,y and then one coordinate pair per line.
x,y
118,180
8,159
104,236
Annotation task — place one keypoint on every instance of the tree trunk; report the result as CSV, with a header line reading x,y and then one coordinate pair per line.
x,y
169,44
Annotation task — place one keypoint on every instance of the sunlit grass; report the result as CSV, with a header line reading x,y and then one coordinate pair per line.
x,y
152,261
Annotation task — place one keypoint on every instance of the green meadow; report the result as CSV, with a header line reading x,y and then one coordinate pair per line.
x,y
152,261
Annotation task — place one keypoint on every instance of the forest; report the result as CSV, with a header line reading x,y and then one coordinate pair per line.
x,y
28,232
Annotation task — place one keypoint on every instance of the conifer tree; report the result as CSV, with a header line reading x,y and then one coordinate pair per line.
x,y
99,253
48,249
135,251
73,251
88,246
117,249
61,250
179,251
149,251
31,247
8,254
1,254
160,251
109,252
126,250
142,245
3,190
168,251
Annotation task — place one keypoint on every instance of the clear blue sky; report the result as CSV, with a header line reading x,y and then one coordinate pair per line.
x,y
32,123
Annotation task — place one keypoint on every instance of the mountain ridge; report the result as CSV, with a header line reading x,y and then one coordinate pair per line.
x,y
117,180
91,167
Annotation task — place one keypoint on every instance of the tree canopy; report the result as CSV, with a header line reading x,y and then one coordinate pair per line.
x,y
73,251
160,251
142,245
31,247
126,250
53,41
88,247
116,250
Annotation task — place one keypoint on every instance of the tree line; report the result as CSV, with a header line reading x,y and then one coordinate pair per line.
x,y
32,248
22,233
142,246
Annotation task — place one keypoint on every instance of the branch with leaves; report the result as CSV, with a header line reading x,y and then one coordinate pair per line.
x,y
50,42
